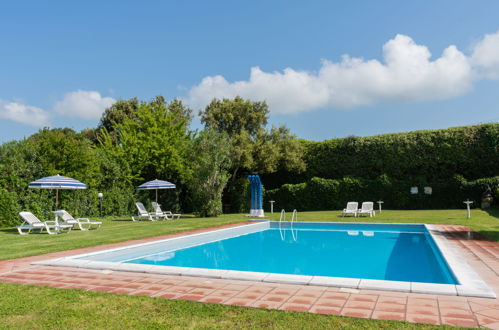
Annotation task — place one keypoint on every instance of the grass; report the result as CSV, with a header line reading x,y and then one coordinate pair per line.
x,y
30,307
13,245
485,222
24,306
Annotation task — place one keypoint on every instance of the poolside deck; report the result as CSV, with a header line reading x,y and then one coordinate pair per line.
x,y
481,254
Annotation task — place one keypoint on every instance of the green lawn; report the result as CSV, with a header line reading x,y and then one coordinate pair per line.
x,y
24,306
485,222
30,307
13,245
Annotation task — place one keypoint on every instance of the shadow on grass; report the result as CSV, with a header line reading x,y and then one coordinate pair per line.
x,y
493,212
8,230
13,231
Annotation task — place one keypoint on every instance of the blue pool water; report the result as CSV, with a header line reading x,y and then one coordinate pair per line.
x,y
384,252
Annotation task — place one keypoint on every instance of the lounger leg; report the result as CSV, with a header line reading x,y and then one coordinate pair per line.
x,y
21,232
49,231
82,228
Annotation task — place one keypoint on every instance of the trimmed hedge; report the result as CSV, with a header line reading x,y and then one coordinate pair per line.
x,y
326,194
426,156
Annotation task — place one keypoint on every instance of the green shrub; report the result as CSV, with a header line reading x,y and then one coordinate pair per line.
x,y
326,194
426,156
9,208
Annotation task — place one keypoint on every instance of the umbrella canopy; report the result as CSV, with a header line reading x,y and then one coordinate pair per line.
x,y
57,182
156,184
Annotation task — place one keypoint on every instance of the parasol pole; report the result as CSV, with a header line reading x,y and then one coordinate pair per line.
x,y
156,196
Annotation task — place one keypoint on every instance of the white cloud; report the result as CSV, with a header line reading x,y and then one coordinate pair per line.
x,y
486,56
83,104
24,114
407,73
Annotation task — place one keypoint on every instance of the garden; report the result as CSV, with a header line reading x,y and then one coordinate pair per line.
x,y
138,141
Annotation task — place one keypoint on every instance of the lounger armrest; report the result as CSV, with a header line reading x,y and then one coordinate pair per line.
x,y
51,223
83,219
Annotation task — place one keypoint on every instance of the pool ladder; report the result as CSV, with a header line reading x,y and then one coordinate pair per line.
x,y
294,218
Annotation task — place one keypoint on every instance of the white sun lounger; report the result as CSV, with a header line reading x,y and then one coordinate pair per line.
x,y
167,214
350,209
367,208
31,222
144,215
82,223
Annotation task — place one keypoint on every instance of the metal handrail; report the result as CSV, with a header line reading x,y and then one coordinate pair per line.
x,y
294,218
283,217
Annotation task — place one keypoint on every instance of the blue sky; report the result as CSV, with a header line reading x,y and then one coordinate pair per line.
x,y
63,62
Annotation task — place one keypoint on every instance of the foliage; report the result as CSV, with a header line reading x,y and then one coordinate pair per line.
x,y
210,159
327,194
255,148
65,152
154,144
9,207
137,141
432,154
238,195
123,110
235,116
117,113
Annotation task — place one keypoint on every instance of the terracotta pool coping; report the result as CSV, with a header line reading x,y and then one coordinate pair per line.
x,y
480,254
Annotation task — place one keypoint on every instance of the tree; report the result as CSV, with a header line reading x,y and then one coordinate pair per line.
x,y
235,116
127,109
117,113
255,148
152,144
210,159
48,152
65,152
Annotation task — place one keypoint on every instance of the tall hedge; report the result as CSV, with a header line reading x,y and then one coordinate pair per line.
x,y
430,155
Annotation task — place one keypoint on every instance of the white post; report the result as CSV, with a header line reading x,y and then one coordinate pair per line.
x,y
379,204
272,206
468,202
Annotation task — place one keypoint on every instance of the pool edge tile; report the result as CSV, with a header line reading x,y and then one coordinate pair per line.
x,y
434,288
385,285
343,282
287,278
244,275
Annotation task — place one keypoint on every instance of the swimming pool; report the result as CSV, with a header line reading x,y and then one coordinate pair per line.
x,y
396,253
401,257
